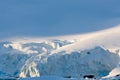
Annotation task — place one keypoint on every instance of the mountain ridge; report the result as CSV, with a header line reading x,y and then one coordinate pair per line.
x,y
36,57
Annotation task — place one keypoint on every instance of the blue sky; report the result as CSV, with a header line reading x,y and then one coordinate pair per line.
x,y
56,17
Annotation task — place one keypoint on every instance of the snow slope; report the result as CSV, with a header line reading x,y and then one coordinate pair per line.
x,y
94,53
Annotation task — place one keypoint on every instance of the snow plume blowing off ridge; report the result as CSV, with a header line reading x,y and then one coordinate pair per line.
x,y
94,53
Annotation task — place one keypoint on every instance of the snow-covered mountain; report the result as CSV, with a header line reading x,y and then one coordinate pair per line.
x,y
95,53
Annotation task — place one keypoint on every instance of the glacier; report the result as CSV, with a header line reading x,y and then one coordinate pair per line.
x,y
96,53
